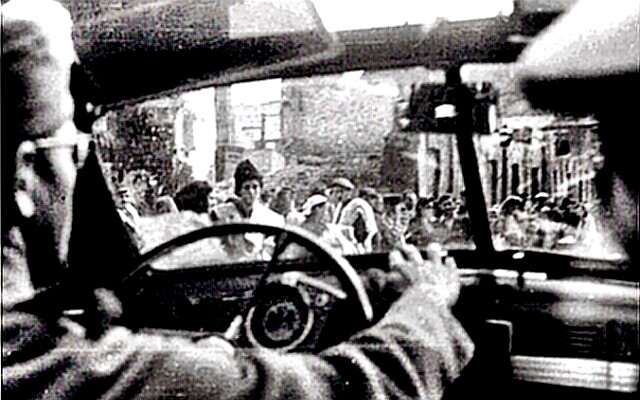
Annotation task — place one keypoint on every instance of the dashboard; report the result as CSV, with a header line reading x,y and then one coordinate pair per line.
x,y
557,329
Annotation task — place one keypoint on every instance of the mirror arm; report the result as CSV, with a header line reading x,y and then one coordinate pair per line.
x,y
468,160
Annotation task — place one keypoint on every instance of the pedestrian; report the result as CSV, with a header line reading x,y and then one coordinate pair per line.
x,y
360,217
194,197
317,210
247,206
284,204
339,193
422,229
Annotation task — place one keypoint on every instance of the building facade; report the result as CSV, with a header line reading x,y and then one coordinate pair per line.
x,y
556,157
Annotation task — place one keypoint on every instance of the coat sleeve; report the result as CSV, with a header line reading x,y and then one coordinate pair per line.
x,y
415,351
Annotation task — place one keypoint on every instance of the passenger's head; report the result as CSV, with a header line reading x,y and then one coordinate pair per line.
x,y
40,152
248,181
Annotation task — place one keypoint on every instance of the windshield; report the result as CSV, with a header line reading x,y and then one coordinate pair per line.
x,y
350,158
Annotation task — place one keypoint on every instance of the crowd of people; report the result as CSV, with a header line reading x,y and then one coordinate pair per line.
x,y
543,222
351,220
363,220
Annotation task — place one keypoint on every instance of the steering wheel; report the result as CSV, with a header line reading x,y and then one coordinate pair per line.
x,y
274,302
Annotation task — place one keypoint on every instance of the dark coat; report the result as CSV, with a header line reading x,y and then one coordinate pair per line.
x,y
415,351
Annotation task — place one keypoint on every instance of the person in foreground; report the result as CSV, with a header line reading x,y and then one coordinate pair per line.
x,y
414,351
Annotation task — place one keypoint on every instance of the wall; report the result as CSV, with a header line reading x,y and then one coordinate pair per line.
x,y
196,132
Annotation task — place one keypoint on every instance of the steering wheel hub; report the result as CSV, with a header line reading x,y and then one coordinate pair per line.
x,y
283,318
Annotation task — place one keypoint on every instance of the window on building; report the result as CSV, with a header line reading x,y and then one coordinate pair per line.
x,y
563,147
505,175
515,178
534,181
494,181
544,175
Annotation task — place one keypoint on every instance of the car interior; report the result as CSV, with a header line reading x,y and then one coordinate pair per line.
x,y
545,323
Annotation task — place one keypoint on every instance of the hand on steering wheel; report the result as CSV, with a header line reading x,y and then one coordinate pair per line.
x,y
437,276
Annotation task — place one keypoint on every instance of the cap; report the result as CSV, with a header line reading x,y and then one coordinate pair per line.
x,y
313,201
343,182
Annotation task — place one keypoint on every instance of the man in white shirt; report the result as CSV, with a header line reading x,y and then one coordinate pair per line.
x,y
339,193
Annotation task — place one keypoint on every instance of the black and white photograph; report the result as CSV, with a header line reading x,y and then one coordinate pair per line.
x,y
320,199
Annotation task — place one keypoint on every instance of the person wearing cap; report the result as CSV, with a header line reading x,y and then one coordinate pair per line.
x,y
317,212
418,351
339,193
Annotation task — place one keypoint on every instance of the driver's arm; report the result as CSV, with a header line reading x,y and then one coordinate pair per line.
x,y
415,351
